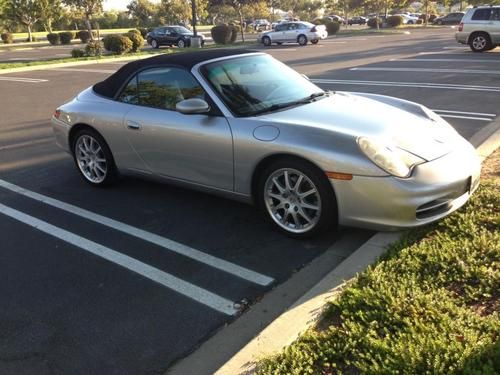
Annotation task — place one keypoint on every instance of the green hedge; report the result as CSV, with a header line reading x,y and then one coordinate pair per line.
x,y
118,44
222,34
53,38
136,38
332,27
372,22
7,38
94,48
394,21
66,37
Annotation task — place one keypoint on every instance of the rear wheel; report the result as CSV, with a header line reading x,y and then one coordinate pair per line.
x,y
93,158
480,42
302,40
266,41
297,197
315,41
181,43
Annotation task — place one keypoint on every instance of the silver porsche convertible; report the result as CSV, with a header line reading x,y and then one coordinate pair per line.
x,y
244,125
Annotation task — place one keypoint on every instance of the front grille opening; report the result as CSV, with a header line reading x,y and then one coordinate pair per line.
x,y
433,208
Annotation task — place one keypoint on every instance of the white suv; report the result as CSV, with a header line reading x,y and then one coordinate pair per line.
x,y
480,28
295,32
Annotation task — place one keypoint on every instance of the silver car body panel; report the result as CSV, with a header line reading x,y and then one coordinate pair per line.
x,y
470,26
221,154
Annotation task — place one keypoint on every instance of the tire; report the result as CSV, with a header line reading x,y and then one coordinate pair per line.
x,y
266,41
302,40
480,42
282,204
181,43
439,22
154,44
93,158
315,41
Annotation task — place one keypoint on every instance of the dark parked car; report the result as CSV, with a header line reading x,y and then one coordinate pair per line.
x,y
450,19
358,20
171,36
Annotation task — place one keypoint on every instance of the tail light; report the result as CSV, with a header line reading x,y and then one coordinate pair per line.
x,y
461,26
57,113
313,30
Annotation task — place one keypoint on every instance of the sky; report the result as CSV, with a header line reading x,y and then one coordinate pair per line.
x,y
115,4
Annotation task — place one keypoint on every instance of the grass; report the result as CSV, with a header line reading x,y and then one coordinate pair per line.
x,y
111,57
429,306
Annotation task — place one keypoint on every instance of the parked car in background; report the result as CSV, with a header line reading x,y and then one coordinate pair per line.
x,y
294,32
449,19
407,19
337,18
261,24
357,20
171,36
480,28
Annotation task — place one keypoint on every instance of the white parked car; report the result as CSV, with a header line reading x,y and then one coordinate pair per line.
x,y
294,32
407,19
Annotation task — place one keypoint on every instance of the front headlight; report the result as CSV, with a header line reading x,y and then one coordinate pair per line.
x,y
391,159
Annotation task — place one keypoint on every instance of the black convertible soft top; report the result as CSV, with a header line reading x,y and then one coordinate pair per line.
x,y
114,82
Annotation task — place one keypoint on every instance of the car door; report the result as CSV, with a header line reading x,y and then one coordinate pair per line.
x,y
494,25
196,148
291,33
279,33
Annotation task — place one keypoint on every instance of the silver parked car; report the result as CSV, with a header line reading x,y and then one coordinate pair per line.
x,y
246,126
480,28
294,32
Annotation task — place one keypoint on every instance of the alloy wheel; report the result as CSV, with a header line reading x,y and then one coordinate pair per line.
x,y
479,43
91,159
292,200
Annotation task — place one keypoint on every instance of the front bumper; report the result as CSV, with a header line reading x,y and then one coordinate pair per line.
x,y
434,190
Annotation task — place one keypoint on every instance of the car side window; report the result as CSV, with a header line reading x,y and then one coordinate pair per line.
x,y
161,88
481,15
495,15
279,27
292,26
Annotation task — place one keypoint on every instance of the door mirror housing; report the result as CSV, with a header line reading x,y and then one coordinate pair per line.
x,y
192,106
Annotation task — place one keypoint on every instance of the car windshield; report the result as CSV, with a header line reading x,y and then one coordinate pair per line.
x,y
257,84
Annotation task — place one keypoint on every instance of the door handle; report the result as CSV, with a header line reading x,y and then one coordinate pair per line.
x,y
133,125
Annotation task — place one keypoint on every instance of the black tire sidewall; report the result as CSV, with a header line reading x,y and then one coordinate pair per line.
x,y
266,41
302,37
328,218
112,174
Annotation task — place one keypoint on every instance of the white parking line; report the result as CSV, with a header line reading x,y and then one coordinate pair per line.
x,y
465,113
83,70
28,143
22,79
467,117
185,288
447,60
429,70
166,243
425,85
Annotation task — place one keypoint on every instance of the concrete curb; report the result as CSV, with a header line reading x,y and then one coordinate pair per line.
x,y
304,312
70,63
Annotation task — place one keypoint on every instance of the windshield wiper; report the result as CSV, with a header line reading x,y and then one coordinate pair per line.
x,y
308,99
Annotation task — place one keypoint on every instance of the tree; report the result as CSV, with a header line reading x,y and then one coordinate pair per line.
x,y
50,11
175,11
142,11
88,8
25,12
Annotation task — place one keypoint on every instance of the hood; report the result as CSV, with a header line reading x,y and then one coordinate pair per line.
x,y
404,124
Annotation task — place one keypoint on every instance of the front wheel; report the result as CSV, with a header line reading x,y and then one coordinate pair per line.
x,y
266,41
302,40
297,197
93,158
154,43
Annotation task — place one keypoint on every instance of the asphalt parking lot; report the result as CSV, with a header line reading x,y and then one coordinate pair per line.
x,y
129,279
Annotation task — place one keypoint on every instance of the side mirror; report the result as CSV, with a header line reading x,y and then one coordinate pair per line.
x,y
192,106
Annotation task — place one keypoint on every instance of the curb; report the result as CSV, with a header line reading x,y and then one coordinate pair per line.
x,y
304,312
70,63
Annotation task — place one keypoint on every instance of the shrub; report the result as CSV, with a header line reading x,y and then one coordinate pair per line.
x,y
235,29
135,31
118,44
332,27
420,21
77,52
137,40
66,36
53,38
7,38
84,35
372,22
143,31
94,48
221,34
394,21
